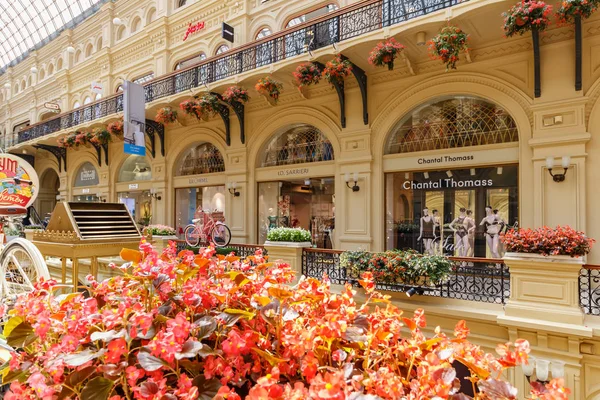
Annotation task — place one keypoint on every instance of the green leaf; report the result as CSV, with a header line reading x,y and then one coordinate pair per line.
x,y
9,376
207,388
149,362
98,388
229,319
20,335
269,357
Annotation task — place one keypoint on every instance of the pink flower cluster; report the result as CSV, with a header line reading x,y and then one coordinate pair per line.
x,y
548,241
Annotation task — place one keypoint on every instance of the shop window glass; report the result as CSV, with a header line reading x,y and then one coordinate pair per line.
x,y
86,175
139,204
202,159
135,168
190,201
458,212
297,144
452,122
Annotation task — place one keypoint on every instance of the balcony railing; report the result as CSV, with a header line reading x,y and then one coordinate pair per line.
x,y
240,250
474,279
589,289
335,27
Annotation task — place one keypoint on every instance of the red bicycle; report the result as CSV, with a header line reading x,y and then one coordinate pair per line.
x,y
205,228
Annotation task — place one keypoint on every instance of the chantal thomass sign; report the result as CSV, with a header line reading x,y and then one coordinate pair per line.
x,y
19,182
448,183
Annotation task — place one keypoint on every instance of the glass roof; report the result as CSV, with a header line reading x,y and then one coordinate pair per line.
x,y
26,25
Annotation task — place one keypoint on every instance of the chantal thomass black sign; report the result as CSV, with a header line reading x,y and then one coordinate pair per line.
x,y
447,183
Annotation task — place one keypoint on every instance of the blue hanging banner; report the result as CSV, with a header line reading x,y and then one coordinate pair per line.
x,y
133,120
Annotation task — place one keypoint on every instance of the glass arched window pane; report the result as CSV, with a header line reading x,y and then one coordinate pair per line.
x,y
452,122
181,3
190,61
143,79
135,168
296,144
119,89
264,32
222,49
76,104
202,159
312,15
87,100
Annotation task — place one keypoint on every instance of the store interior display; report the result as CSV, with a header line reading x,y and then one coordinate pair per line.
x,y
190,201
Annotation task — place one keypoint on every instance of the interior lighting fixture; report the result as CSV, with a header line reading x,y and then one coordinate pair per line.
x,y
421,40
426,175
406,176
566,162
70,49
232,187
449,174
307,182
154,194
499,170
117,21
413,290
354,187
34,70
472,171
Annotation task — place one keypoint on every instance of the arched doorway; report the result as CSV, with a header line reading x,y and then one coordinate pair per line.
x,y
295,174
451,180
49,190
133,188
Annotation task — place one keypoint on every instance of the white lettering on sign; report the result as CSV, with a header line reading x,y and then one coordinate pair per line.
x,y
133,186
88,174
443,159
83,191
447,183
194,181
296,171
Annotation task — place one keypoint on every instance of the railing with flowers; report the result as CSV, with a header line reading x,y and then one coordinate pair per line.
x,y
337,26
474,279
241,250
589,289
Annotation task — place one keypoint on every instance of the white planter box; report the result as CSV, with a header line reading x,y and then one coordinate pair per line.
x,y
541,258
289,244
9,238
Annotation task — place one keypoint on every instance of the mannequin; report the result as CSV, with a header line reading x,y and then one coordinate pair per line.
x,y
493,224
437,234
470,225
461,233
426,231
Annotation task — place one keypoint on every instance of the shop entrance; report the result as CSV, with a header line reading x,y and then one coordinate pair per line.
x,y
139,204
189,202
307,204
49,189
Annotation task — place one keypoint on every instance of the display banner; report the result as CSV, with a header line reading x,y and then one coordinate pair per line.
x,y
19,182
86,175
133,120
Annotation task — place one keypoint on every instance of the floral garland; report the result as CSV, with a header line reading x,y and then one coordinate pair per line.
x,y
385,53
116,128
570,9
166,115
235,93
307,74
100,136
268,86
448,44
208,105
190,107
526,16
336,70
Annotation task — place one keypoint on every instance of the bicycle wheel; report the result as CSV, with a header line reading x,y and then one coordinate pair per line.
x,y
21,265
220,235
192,236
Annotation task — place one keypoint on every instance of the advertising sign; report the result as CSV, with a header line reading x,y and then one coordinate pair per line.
x,y
227,32
193,28
86,175
52,107
97,87
133,120
19,182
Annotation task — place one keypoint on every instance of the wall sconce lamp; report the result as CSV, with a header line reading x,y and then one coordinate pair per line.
x,y
542,368
155,195
566,162
355,187
421,40
232,187
413,290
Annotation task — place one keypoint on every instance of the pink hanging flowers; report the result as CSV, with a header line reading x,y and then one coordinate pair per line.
x,y
526,16
385,53
570,9
448,44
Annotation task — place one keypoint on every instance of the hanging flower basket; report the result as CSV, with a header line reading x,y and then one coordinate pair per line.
x,y
116,128
62,142
208,106
337,70
81,138
385,53
236,93
270,88
190,107
101,136
570,9
166,115
526,16
447,45
307,74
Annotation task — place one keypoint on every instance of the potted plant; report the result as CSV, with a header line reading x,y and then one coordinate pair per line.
x,y
116,128
289,237
385,53
207,106
236,93
337,70
101,136
30,230
307,74
161,235
561,243
526,16
269,88
166,115
571,9
11,233
448,44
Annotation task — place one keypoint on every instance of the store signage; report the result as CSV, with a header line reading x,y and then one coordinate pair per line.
x,y
193,28
295,171
96,87
444,159
227,32
84,191
52,107
133,186
194,181
134,115
18,182
88,175
448,183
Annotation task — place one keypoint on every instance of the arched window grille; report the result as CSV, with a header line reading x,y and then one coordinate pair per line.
x,y
452,122
204,158
190,61
144,78
297,144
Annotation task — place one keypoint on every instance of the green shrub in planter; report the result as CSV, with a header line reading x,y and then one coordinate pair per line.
x,y
36,227
226,251
289,235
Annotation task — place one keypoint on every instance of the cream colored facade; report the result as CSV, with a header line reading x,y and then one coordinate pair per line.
x,y
561,122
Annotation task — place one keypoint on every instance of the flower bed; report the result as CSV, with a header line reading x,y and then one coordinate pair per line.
x,y
289,235
526,16
183,327
160,230
560,241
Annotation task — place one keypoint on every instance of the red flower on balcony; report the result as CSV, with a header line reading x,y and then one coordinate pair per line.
x,y
385,53
526,16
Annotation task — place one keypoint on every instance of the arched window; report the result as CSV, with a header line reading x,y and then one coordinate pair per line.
x,y
204,158
88,50
452,122
144,78
119,89
135,168
300,143
87,100
77,104
59,65
42,74
99,44
77,56
190,61
29,80
264,32
23,85
181,3
311,15
87,175
151,16
222,49
16,88
98,96
136,24
120,32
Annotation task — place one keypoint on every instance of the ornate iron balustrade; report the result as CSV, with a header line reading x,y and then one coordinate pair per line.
x,y
473,279
589,289
241,250
337,26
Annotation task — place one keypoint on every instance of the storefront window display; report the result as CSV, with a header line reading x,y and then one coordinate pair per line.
x,y
308,204
133,187
135,168
139,204
453,212
189,201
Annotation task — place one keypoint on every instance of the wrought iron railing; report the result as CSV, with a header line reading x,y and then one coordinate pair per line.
x,y
241,250
474,279
337,26
589,289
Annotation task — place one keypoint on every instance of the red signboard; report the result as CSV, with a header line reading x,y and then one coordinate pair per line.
x,y
18,182
193,28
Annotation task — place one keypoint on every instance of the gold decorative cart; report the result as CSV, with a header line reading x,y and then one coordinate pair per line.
x,y
86,231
